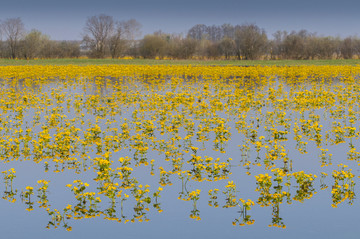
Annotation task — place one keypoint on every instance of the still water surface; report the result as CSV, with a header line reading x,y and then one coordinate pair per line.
x,y
252,130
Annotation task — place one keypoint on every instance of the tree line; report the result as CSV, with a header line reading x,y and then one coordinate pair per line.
x,y
104,36
19,43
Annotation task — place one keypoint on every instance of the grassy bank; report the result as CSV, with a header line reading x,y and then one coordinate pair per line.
x,y
5,62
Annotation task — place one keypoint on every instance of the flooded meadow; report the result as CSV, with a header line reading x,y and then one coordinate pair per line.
x,y
145,150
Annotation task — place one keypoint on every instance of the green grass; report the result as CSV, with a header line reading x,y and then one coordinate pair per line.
x,y
6,62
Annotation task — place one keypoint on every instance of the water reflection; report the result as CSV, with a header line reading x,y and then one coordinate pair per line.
x,y
131,139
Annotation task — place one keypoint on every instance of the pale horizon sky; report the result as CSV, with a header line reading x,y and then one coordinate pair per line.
x,y
65,20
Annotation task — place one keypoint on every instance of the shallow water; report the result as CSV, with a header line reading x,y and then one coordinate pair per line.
x,y
159,116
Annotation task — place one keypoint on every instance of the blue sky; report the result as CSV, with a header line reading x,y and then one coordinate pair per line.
x,y
64,20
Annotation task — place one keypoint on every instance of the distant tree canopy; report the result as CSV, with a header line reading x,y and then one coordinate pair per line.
x,y
105,36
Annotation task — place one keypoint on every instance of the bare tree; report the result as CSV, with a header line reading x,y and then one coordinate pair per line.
x,y
188,47
213,50
98,31
117,42
276,46
250,41
13,29
227,47
228,30
347,48
132,29
153,45
124,36
180,47
33,43
297,45
198,32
